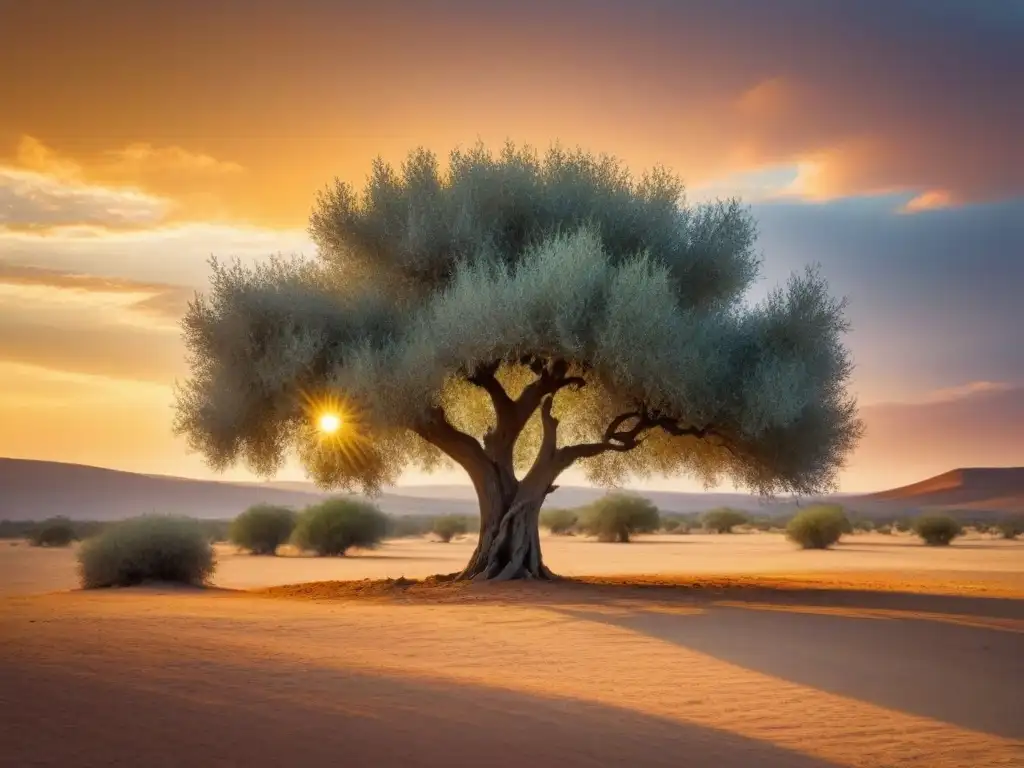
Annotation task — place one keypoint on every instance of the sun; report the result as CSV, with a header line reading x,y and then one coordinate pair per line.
x,y
329,423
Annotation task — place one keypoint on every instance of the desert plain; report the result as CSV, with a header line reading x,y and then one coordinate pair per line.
x,y
699,650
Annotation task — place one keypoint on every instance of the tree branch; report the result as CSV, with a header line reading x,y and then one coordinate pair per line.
x,y
511,415
462,448
621,440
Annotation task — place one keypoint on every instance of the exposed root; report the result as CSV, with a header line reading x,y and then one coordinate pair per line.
x,y
511,549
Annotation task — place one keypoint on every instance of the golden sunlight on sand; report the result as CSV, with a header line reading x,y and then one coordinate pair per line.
x,y
860,666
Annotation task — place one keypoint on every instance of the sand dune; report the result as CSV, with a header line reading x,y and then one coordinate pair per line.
x,y
980,489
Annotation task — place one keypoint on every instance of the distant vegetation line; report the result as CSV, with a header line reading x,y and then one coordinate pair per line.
x,y
572,521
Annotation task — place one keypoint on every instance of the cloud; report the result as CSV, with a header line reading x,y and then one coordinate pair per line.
x,y
108,302
918,98
164,302
933,298
141,159
137,160
117,352
32,200
176,254
41,187
933,200
971,389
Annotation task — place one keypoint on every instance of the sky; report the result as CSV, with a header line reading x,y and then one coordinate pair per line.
x,y
880,140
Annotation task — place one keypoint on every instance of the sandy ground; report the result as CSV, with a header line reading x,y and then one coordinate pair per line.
x,y
723,673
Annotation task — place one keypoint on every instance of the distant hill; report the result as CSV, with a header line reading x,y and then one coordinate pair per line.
x,y
35,490
978,489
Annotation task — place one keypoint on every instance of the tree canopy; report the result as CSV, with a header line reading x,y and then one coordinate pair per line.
x,y
517,314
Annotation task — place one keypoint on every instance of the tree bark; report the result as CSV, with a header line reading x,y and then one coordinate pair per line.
x,y
509,544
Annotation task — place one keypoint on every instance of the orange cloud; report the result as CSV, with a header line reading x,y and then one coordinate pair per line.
x,y
934,199
187,184
30,199
162,301
142,158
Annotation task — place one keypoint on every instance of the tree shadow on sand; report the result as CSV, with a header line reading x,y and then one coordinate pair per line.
x,y
954,659
273,713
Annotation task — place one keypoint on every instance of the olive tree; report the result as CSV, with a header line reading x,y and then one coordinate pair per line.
x,y
516,315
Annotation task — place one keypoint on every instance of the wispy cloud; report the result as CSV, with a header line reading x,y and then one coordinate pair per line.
x,y
166,303
33,200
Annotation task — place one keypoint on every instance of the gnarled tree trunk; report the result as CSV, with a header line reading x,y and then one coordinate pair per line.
x,y
509,544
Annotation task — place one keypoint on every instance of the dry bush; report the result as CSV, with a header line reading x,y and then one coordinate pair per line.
x,y
723,520
1011,528
262,529
447,527
937,530
818,527
559,521
55,532
337,525
151,548
618,516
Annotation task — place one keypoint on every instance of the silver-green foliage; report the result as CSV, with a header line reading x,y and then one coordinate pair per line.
x,y
150,548
448,527
558,520
724,519
334,526
428,274
262,528
937,530
617,516
818,527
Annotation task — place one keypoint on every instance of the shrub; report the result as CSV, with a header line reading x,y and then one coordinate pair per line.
x,y
152,548
263,528
901,525
559,521
866,526
817,527
448,527
723,520
55,532
937,530
1011,528
618,516
335,526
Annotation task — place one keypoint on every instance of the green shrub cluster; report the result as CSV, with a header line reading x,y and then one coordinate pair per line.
x,y
1011,528
263,528
937,530
334,526
447,527
151,548
561,522
723,520
55,532
617,516
818,527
